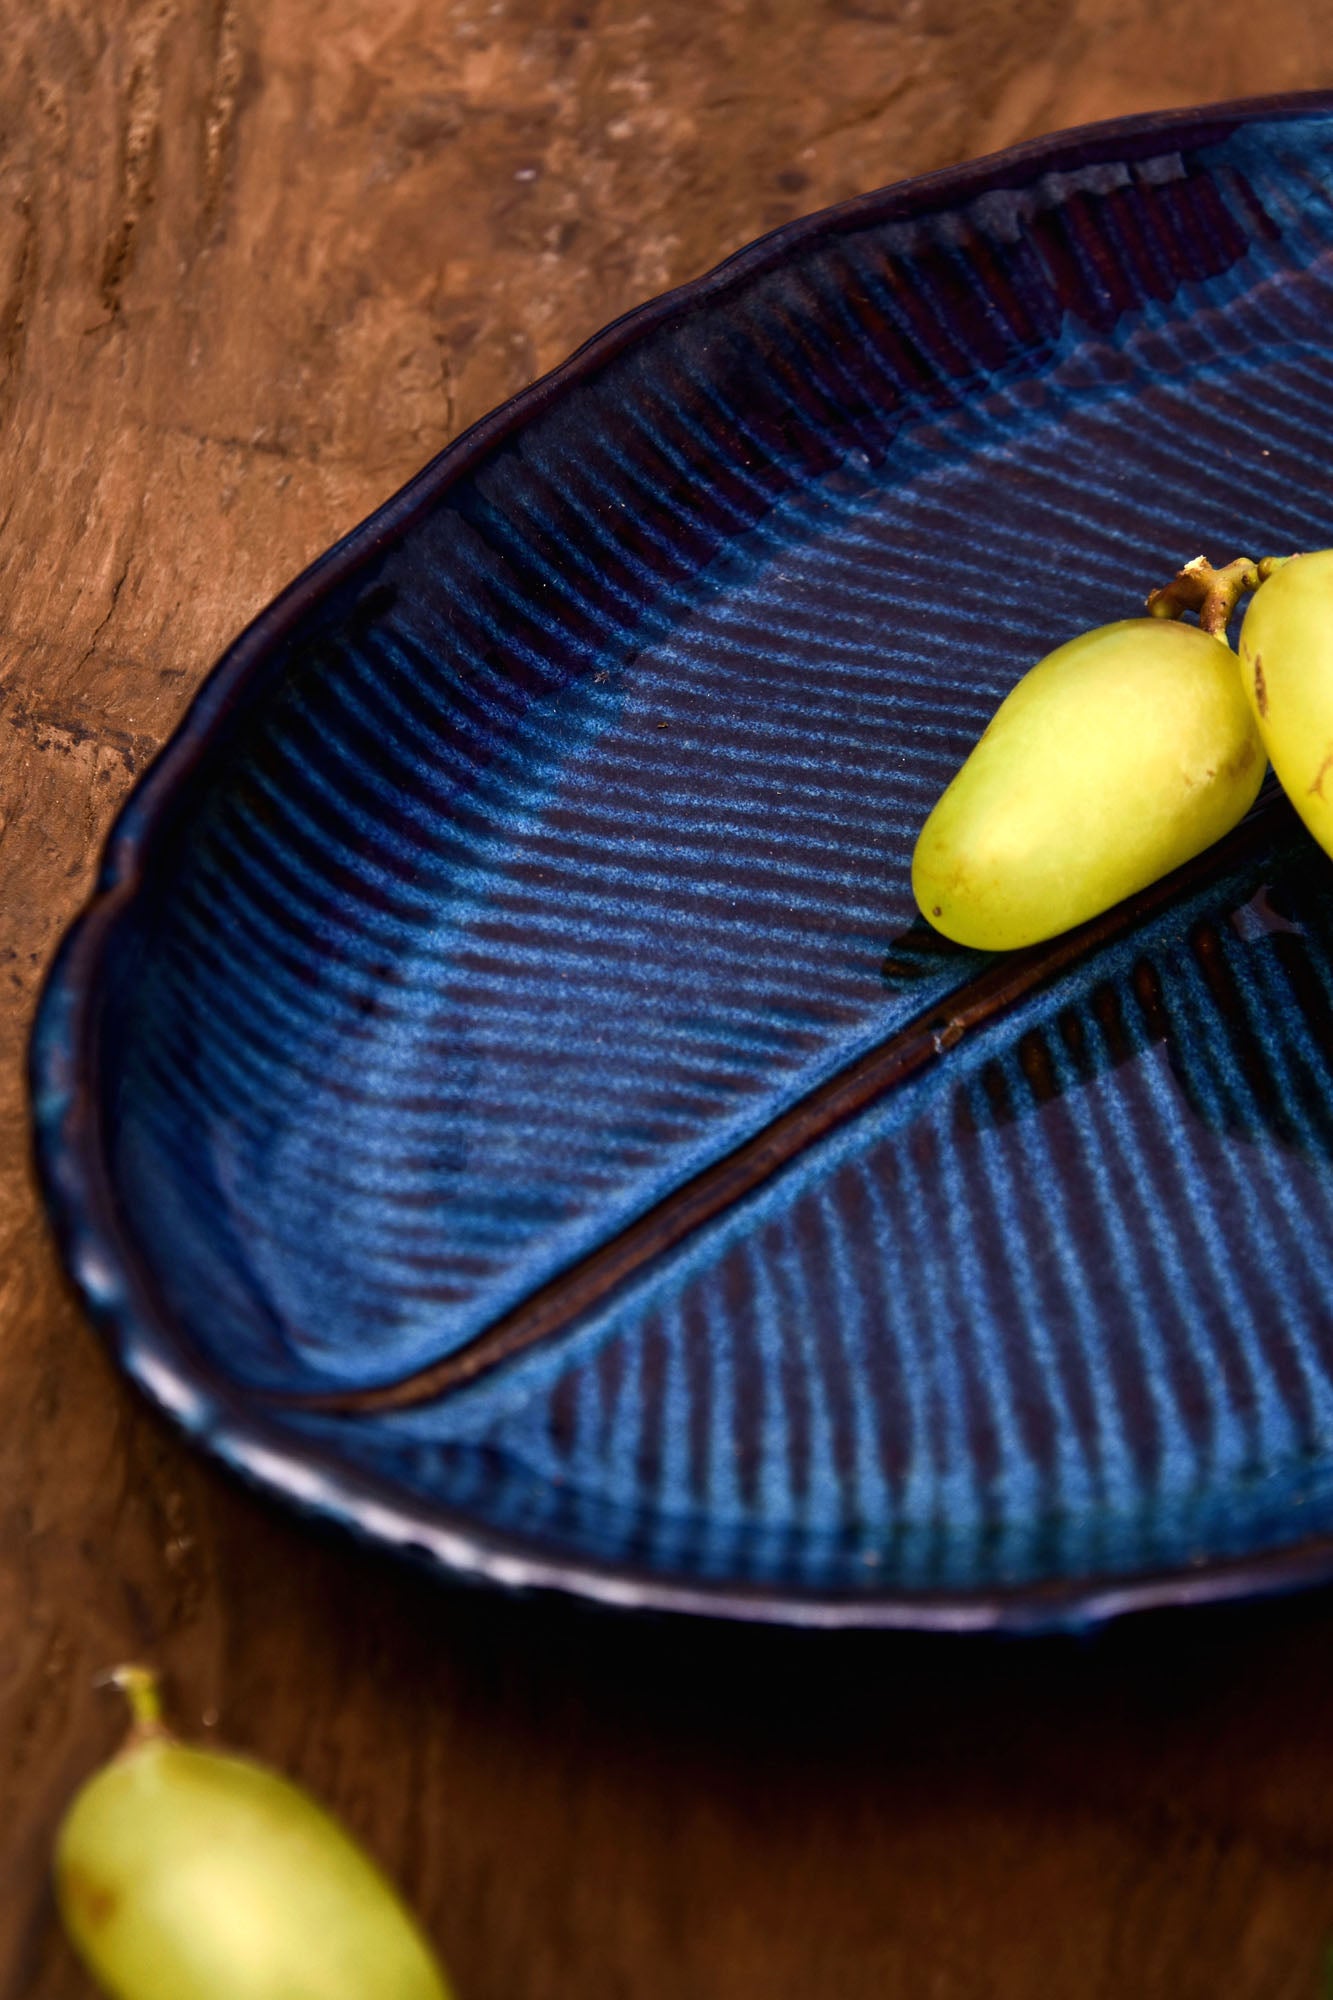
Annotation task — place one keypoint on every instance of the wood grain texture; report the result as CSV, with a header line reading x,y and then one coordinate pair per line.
x,y
257,262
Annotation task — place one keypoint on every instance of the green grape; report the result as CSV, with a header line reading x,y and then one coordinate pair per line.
x,y
1286,652
188,1874
1116,758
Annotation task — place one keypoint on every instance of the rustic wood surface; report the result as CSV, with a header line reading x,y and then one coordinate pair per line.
x,y
258,260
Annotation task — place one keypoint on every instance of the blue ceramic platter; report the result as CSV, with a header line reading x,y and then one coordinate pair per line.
x,y
499,1095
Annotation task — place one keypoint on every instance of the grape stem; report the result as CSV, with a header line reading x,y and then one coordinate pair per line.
x,y
1213,593
143,1693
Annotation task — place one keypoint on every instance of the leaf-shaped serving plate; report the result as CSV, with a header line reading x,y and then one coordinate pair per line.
x,y
499,1095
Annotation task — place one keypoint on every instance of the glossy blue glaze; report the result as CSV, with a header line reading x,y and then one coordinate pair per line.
x,y
500,1095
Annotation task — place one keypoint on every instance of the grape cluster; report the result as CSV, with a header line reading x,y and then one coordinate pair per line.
x,y
1132,748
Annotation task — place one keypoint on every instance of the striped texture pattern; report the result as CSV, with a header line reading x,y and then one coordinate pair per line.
x,y
563,846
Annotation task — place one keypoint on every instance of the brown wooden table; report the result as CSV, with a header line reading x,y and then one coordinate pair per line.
x,y
257,262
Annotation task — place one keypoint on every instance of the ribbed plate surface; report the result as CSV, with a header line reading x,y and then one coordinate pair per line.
x,y
500,1096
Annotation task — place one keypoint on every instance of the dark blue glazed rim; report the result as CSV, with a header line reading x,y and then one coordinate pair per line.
x,y
97,1246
